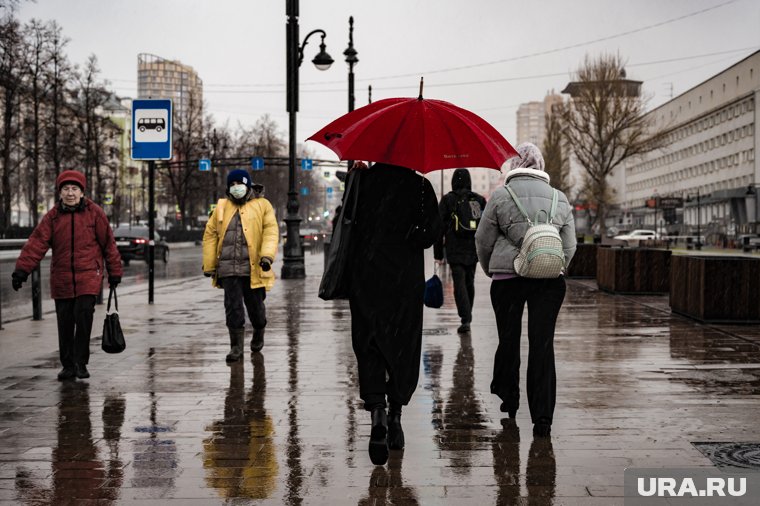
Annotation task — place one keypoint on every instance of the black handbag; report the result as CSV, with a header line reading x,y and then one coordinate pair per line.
x,y
335,279
113,337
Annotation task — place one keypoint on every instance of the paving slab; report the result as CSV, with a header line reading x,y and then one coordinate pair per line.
x,y
169,422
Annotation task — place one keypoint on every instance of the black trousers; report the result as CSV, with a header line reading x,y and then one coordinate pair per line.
x,y
464,289
544,298
378,378
240,297
74,327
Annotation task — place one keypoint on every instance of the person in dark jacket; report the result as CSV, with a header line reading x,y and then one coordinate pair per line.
x,y
458,241
498,240
78,232
396,220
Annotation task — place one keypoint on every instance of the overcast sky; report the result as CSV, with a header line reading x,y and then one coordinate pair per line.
x,y
488,56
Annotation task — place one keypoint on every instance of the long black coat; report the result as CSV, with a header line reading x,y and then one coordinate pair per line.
x,y
459,249
397,219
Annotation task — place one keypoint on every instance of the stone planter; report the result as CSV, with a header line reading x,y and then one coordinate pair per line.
x,y
583,264
633,270
716,288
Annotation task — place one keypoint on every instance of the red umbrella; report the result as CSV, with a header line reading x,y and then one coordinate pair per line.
x,y
421,134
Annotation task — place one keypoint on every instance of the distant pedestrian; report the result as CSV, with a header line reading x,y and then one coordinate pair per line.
x,y
239,246
460,211
396,220
83,247
499,240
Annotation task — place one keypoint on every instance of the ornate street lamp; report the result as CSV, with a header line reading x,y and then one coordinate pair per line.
x,y
293,264
351,59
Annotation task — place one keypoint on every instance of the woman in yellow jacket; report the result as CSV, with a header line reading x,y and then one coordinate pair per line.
x,y
239,246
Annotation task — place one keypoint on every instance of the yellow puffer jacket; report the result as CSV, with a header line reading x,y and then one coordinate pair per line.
x,y
260,231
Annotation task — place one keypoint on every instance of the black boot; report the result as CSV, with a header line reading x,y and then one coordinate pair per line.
x,y
81,371
505,409
257,341
236,344
542,428
395,432
66,373
378,438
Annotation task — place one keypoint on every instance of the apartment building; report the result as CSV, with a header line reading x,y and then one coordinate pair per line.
x,y
161,78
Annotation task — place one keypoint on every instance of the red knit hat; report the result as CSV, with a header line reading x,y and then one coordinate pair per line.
x,y
71,176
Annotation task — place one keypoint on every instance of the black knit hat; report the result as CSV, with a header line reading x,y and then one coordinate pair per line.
x,y
239,176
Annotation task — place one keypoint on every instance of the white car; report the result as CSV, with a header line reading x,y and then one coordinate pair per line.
x,y
635,236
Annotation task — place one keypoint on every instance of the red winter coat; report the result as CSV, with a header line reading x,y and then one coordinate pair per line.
x,y
80,240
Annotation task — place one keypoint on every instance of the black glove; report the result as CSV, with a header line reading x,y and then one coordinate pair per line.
x,y
18,278
208,274
265,263
113,281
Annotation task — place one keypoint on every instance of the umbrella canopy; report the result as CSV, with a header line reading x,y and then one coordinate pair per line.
x,y
421,134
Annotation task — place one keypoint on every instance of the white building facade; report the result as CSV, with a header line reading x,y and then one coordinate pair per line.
x,y
710,149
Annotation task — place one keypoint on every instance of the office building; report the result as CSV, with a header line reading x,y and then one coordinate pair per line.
x,y
710,150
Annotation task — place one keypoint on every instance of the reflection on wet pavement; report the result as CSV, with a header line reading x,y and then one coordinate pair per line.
x,y
168,421
240,454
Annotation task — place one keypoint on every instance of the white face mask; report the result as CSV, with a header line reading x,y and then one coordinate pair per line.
x,y
238,190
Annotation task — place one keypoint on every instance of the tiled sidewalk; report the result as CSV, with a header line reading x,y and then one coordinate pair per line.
x,y
169,422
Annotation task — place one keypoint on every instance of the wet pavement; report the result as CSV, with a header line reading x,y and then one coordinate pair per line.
x,y
169,422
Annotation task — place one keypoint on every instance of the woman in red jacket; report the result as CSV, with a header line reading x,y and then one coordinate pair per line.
x,y
78,232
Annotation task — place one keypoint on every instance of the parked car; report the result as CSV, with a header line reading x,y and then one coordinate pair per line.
x,y
634,237
310,237
613,231
133,243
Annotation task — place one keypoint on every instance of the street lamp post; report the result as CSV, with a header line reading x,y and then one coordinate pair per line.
x,y
351,59
698,244
293,264
214,142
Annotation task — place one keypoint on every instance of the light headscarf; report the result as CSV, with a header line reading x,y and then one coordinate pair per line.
x,y
530,158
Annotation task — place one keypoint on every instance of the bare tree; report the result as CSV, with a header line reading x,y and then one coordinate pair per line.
x,y
605,125
36,61
555,151
264,139
59,129
11,49
188,136
92,127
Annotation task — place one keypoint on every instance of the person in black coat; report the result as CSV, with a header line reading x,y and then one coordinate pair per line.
x,y
458,241
396,220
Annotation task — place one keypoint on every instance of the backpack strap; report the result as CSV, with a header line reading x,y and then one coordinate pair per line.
x,y
555,200
519,205
550,214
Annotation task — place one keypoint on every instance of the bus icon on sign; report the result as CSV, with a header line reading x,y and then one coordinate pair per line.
x,y
156,124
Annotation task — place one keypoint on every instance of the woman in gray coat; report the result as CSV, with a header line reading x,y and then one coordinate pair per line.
x,y
498,240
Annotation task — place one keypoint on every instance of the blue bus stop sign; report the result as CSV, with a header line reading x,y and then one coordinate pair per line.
x,y
257,163
307,164
329,190
151,129
204,164
304,190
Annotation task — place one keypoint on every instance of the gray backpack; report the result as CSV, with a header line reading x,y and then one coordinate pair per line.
x,y
541,254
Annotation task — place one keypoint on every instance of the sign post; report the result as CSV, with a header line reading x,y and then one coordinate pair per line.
x,y
151,141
